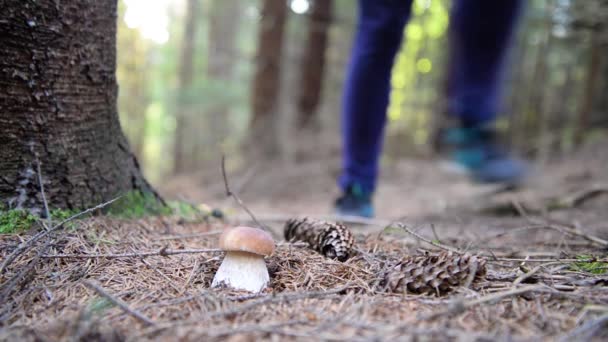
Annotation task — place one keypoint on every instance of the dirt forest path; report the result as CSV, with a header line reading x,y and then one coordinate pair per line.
x,y
419,192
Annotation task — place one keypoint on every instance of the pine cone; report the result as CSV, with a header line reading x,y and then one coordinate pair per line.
x,y
433,274
333,240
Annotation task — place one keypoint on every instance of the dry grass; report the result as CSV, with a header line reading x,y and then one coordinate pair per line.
x,y
49,298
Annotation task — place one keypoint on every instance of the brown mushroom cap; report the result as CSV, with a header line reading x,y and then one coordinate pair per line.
x,y
247,239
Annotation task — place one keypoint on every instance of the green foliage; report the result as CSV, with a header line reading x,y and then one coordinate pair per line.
x,y
137,204
186,210
61,214
589,264
15,221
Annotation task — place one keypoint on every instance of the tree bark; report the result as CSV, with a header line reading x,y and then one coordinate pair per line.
x,y
181,148
58,106
266,80
313,62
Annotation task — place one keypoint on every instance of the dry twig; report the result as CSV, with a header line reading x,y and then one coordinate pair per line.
x,y
433,243
190,236
586,331
236,197
141,317
47,212
241,309
458,306
161,252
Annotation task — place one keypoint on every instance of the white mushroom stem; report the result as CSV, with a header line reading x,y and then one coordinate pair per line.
x,y
242,271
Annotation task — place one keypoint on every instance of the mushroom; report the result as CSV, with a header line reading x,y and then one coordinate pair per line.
x,y
243,267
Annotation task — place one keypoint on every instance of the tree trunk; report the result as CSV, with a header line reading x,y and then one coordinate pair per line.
x,y
224,22
58,106
313,62
186,69
593,70
266,79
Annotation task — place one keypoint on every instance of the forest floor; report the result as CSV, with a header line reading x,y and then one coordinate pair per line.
x,y
545,245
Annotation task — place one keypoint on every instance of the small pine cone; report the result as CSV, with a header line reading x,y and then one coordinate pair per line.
x,y
333,240
434,274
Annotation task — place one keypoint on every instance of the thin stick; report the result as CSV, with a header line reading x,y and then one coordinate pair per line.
x,y
189,236
155,269
459,307
27,244
236,197
586,331
124,306
44,201
250,305
548,260
194,269
21,275
161,252
566,229
530,273
436,244
279,298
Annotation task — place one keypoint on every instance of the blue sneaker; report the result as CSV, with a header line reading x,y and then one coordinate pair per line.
x,y
355,202
479,152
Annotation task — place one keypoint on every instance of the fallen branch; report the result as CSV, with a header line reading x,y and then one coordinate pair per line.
x,y
436,244
458,306
27,244
549,260
161,252
531,272
21,275
189,236
285,297
578,198
565,229
586,331
124,306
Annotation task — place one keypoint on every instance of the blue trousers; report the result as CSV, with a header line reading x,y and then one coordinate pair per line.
x,y
480,34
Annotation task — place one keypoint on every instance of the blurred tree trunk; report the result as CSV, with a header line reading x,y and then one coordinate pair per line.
x,y
224,23
313,63
530,130
600,117
181,148
133,80
58,106
266,81
593,70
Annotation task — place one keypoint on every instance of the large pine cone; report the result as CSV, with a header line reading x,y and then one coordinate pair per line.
x,y
434,274
333,240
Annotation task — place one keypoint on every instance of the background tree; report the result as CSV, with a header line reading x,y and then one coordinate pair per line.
x,y
182,150
58,106
224,25
266,80
312,69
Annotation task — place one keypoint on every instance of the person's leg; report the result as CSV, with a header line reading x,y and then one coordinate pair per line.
x,y
378,38
481,33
